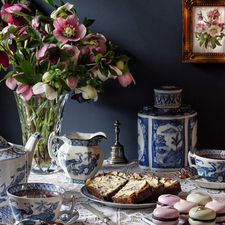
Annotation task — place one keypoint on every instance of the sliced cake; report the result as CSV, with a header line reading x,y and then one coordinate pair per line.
x,y
104,186
170,186
133,192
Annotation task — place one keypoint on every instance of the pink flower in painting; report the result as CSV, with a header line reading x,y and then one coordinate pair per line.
x,y
68,29
201,27
200,18
221,25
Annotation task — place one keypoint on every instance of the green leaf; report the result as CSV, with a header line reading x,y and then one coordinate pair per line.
x,y
22,37
42,68
52,75
62,3
98,57
95,52
23,78
71,66
61,67
49,39
65,55
33,44
37,78
206,43
88,22
104,71
9,74
53,51
18,69
27,68
11,30
202,41
45,19
212,40
24,51
217,42
113,72
51,2
18,57
34,33
64,84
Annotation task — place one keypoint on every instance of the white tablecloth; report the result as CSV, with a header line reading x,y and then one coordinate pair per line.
x,y
120,216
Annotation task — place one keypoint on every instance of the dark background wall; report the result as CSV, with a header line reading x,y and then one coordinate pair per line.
x,y
150,31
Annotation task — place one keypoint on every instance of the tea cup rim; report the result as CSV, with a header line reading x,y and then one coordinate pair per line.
x,y
33,183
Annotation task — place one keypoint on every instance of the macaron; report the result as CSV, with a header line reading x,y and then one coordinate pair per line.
x,y
167,199
219,208
183,207
202,215
199,198
165,215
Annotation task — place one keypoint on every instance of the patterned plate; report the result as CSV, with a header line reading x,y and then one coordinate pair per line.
x,y
113,204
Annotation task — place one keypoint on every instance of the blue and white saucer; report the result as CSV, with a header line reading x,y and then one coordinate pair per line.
x,y
192,171
65,219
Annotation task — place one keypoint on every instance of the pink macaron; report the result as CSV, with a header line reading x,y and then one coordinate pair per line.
x,y
167,199
183,207
165,215
219,208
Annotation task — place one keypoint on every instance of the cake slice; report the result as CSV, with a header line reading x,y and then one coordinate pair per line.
x,y
155,184
133,192
104,186
170,186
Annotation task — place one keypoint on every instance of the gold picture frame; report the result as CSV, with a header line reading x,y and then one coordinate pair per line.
x,y
203,31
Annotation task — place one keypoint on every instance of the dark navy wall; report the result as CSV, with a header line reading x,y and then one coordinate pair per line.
x,y
150,31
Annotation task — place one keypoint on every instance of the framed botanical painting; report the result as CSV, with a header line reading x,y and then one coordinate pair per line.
x,y
203,31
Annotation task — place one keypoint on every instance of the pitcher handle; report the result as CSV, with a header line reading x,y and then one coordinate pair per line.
x,y
191,155
50,139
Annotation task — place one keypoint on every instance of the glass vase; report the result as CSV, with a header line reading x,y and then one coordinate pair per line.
x,y
43,116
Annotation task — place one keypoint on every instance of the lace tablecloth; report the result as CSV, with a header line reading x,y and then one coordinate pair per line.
x,y
121,216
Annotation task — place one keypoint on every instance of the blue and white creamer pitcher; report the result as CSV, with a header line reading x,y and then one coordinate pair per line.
x,y
80,156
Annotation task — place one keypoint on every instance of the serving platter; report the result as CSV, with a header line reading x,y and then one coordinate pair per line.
x,y
192,171
113,204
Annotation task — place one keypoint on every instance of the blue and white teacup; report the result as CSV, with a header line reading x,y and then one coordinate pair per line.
x,y
38,201
209,163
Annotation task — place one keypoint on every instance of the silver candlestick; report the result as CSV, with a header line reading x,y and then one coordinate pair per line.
x,y
117,150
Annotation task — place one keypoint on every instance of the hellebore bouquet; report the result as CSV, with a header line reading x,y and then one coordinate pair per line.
x,y
50,55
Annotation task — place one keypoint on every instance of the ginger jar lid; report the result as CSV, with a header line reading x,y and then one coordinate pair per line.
x,y
10,151
167,97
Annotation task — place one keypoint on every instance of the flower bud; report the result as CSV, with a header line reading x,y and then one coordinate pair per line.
x,y
57,85
45,77
120,64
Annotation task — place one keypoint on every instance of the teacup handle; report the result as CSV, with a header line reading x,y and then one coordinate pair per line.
x,y
70,199
191,155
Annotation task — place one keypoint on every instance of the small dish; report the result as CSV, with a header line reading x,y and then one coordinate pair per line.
x,y
113,204
191,171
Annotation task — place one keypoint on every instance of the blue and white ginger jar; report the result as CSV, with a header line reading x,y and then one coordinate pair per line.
x,y
167,131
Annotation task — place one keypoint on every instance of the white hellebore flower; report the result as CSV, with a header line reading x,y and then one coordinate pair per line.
x,y
88,92
103,77
66,7
214,30
45,90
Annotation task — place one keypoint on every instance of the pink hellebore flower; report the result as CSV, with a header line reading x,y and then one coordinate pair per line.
x,y
126,79
4,59
68,29
200,18
25,90
19,20
7,17
74,52
11,83
43,54
72,81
